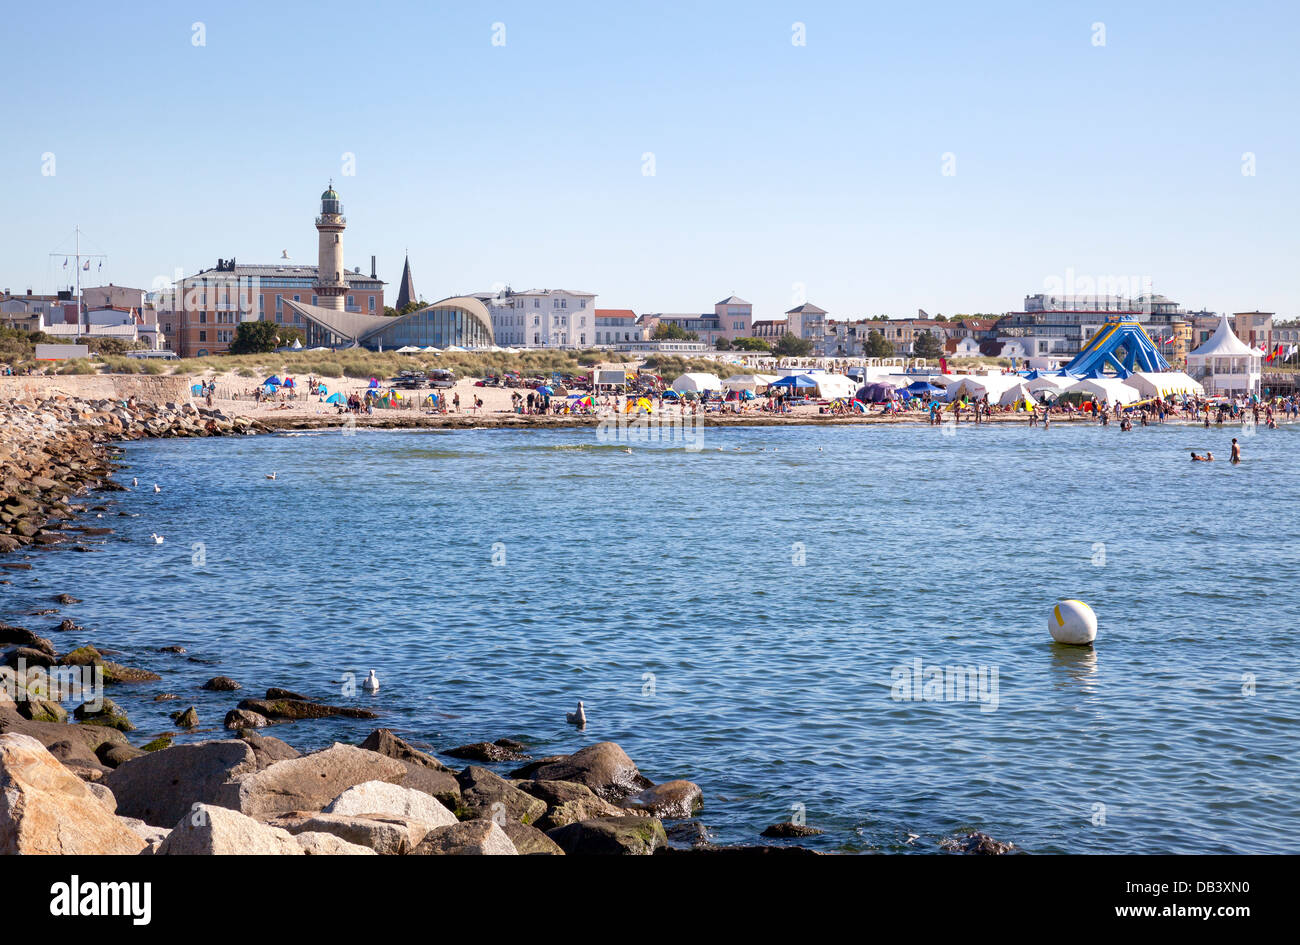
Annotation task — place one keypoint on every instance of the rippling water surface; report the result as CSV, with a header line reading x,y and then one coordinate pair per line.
x,y
660,587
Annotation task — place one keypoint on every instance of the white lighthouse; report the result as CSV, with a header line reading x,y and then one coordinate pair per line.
x,y
331,278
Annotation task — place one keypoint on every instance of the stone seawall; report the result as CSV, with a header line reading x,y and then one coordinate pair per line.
x,y
52,447
145,388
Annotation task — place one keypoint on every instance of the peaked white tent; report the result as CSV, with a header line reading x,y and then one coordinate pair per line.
x,y
978,385
1110,389
1164,384
697,382
1051,383
1014,395
1225,363
833,386
749,382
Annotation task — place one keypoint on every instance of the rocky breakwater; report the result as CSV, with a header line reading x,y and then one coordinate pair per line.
x,y
52,450
256,795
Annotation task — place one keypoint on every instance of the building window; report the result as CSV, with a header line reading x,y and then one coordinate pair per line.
x,y
372,303
203,336
203,318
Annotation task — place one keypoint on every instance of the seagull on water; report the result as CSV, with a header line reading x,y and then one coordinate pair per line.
x,y
270,475
157,539
134,482
371,682
578,718
157,488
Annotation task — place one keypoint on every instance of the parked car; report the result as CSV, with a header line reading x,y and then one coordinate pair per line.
x,y
442,377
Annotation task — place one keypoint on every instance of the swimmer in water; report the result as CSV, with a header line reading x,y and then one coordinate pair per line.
x,y
1236,451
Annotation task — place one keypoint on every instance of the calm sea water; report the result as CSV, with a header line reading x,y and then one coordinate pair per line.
x,y
663,588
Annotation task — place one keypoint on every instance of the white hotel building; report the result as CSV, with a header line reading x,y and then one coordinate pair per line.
x,y
542,318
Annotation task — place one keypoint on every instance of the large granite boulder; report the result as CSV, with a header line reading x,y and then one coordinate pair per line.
x,y
268,749
380,797
674,800
160,787
217,831
473,837
384,742
604,767
310,782
485,794
529,841
617,835
381,833
314,843
44,808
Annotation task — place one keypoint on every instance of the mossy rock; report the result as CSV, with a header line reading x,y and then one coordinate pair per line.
x,y
159,743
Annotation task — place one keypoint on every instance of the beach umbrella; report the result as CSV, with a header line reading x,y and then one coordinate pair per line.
x,y
272,381
374,382
196,388
336,399
545,390
923,387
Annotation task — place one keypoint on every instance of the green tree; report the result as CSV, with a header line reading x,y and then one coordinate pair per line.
x,y
926,345
260,336
791,345
751,344
876,346
671,331
722,344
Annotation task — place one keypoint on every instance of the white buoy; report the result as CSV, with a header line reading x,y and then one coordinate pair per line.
x,y
371,682
1074,622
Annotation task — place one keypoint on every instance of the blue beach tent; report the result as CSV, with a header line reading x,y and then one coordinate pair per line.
x,y
793,381
336,399
272,381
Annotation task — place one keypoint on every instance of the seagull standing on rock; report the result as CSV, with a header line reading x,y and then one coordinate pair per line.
x,y
578,718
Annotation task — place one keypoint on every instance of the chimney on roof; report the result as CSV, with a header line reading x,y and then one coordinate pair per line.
x,y
372,268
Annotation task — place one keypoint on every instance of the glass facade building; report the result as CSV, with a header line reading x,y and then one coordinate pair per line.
x,y
442,324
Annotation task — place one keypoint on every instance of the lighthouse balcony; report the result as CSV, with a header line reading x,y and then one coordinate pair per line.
x,y
336,219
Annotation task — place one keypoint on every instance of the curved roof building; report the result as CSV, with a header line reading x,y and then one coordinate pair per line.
x,y
459,321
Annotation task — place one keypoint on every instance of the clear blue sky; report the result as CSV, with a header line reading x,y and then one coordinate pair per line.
x,y
775,164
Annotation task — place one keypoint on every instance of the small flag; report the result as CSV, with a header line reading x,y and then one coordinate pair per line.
x,y
86,266
65,263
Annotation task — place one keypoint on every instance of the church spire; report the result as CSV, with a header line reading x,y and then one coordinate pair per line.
x,y
406,293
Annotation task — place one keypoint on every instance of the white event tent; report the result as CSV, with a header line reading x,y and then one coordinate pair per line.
x,y
698,383
1164,384
1110,389
979,385
834,386
1225,363
749,382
